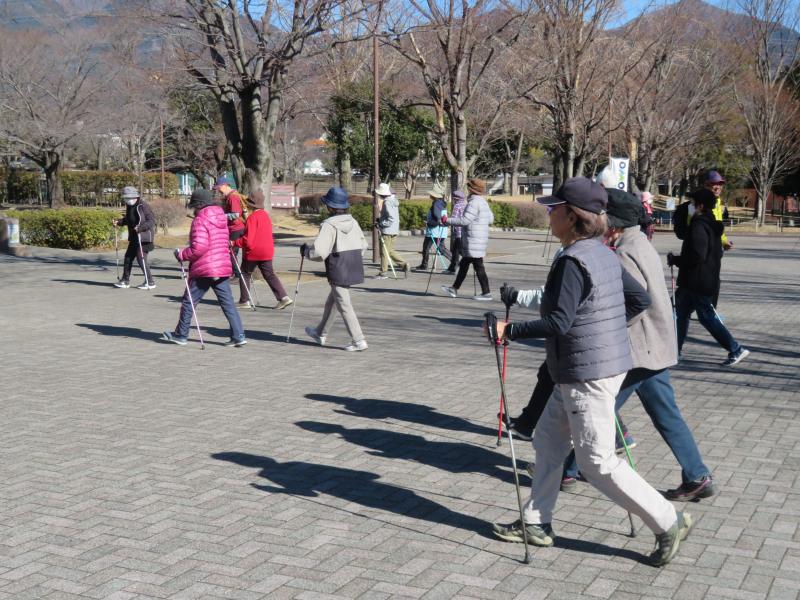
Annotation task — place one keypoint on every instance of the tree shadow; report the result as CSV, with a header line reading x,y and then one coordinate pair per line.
x,y
370,408
311,480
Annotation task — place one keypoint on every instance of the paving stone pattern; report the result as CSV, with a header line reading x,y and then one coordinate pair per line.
x,y
138,469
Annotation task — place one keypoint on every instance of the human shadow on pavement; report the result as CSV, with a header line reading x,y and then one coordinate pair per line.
x,y
108,284
577,545
476,323
453,457
311,480
266,336
401,292
115,331
371,408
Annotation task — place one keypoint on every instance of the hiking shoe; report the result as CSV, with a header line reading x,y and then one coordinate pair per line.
x,y
284,302
692,490
736,358
483,297
568,484
452,292
175,339
235,343
146,286
357,346
312,333
122,284
538,535
381,276
667,543
620,447
242,305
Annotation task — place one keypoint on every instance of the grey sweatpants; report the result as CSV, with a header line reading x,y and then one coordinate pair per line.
x,y
583,413
340,298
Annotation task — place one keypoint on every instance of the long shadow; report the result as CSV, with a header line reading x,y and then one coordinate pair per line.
x,y
370,408
266,336
206,300
361,487
108,284
112,330
598,548
401,292
476,324
453,457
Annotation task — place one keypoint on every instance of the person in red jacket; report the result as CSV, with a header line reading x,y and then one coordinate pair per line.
x,y
232,205
259,249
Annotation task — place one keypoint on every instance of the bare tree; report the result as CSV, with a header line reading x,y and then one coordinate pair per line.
x,y
770,57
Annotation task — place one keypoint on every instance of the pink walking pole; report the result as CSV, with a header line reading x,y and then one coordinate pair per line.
x,y
191,303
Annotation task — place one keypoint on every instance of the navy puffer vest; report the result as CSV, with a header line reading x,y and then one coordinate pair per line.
x,y
597,345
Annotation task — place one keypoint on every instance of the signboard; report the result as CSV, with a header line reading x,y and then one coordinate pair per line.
x,y
282,196
619,166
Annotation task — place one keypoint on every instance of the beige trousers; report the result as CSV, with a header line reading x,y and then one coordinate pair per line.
x,y
340,298
583,414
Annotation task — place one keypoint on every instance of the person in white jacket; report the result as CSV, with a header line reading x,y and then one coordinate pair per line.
x,y
341,245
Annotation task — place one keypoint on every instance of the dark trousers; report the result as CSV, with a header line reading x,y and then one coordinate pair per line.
x,y
477,264
455,251
235,235
198,287
133,253
265,266
686,303
426,248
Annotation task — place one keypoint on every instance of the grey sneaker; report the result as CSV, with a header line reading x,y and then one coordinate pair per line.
x,y
357,346
122,284
146,286
538,535
452,292
693,490
234,343
667,543
175,339
736,358
284,302
312,333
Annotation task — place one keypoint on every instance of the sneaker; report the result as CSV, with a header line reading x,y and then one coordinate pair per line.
x,y
234,343
357,346
122,284
381,276
483,297
568,484
146,286
175,339
538,535
452,292
519,430
242,305
284,302
620,447
692,490
312,333
736,358
667,543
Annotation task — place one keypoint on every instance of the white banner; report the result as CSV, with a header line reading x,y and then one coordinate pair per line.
x,y
619,166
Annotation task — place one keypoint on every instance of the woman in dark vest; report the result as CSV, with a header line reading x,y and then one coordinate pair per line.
x,y
587,301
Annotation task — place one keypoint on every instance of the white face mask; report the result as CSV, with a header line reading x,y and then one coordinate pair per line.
x,y
130,201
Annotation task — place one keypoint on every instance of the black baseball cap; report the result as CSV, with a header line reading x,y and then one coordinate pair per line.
x,y
581,192
623,209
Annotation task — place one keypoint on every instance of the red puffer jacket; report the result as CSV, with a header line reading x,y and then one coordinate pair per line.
x,y
257,240
208,253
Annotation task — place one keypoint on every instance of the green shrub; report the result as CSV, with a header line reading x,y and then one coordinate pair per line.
x,y
72,228
362,213
532,215
20,185
413,214
505,214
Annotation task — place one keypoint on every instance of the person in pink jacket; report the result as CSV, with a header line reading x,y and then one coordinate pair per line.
x,y
209,267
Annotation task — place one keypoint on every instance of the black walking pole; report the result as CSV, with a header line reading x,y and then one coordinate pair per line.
x,y
491,331
503,408
296,289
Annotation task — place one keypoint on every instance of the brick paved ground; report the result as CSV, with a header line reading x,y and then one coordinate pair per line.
x,y
136,469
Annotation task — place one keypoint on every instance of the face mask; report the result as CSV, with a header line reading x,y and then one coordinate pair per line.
x,y
130,201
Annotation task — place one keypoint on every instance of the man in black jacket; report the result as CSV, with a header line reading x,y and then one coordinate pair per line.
x,y
698,279
141,224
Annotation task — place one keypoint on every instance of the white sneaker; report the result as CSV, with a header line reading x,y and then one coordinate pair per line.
x,y
122,284
312,333
357,346
452,292
146,286
483,297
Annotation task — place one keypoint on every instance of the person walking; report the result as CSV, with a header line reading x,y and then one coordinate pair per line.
x,y
341,244
141,224
435,231
209,268
587,302
459,206
648,226
389,225
699,265
233,206
475,239
259,250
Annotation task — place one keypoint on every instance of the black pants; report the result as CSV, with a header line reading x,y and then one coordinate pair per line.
x,y
541,393
426,249
477,264
133,252
235,235
455,250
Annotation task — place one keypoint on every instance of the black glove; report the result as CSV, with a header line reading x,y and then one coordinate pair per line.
x,y
508,295
491,327
377,223
671,259
303,249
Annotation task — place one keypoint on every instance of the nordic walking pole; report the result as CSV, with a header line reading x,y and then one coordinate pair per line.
x,y
491,330
296,289
630,462
191,303
505,354
241,278
546,241
116,248
672,300
433,266
389,258
141,251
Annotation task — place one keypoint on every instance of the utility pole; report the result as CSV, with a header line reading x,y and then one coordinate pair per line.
x,y
163,186
376,166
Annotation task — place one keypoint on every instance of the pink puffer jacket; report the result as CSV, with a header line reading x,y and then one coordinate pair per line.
x,y
208,253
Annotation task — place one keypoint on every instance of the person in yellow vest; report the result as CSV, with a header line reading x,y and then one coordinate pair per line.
x,y
715,183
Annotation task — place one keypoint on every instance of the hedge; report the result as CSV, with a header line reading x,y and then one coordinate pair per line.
x,y
72,228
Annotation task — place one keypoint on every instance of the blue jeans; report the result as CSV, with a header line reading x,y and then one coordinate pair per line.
x,y
198,287
686,303
658,398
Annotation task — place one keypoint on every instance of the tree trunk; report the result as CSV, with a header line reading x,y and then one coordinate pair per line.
x,y
515,166
52,171
345,172
558,173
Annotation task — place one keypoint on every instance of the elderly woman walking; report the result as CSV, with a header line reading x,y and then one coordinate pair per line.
x,y
587,301
475,239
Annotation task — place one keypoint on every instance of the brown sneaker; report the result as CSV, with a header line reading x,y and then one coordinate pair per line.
x,y
284,302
